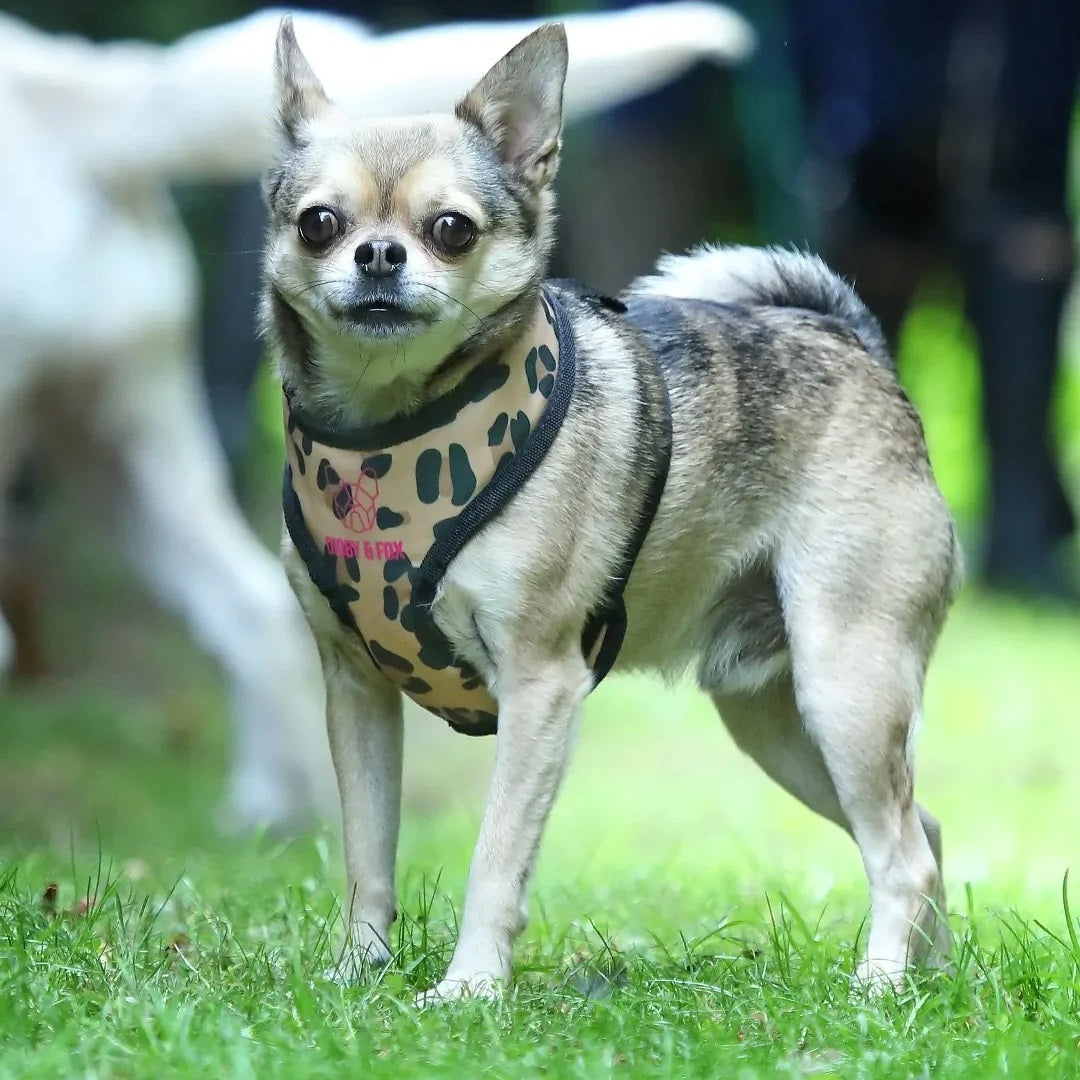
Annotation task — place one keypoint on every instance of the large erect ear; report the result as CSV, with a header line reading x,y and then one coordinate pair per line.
x,y
300,94
518,105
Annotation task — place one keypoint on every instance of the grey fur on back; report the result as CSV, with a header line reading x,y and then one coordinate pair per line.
x,y
765,277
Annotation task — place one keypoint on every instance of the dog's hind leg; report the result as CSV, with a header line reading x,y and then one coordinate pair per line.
x,y
858,661
766,725
190,542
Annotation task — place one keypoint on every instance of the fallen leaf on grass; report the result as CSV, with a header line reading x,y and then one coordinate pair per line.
x,y
49,897
50,904
179,943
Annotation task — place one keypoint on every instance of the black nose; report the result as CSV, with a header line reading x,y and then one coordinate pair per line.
x,y
380,258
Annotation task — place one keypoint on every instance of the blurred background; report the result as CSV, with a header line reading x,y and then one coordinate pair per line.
x,y
929,151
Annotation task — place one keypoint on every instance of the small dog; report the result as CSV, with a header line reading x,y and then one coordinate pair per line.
x,y
718,473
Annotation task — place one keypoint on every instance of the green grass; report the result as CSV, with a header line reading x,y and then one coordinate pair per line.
x,y
689,919
203,981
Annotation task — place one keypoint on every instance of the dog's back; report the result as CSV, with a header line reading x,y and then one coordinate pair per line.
x,y
765,278
766,355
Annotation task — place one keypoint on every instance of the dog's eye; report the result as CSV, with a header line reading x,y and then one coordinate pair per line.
x,y
318,226
454,233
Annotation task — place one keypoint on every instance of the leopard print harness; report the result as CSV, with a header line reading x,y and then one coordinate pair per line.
x,y
378,514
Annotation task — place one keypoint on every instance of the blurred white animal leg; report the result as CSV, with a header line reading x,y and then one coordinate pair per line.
x,y
189,540
11,449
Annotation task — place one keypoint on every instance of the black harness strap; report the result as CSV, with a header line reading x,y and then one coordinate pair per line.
x,y
612,612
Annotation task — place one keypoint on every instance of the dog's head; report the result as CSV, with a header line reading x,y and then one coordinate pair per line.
x,y
395,244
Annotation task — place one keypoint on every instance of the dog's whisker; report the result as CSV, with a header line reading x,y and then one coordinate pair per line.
x,y
318,283
442,292
475,281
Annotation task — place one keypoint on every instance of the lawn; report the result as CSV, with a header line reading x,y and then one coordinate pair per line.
x,y
688,919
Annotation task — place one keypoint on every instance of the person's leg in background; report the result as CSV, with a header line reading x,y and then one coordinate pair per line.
x,y
647,179
22,572
887,242
940,129
872,80
1019,261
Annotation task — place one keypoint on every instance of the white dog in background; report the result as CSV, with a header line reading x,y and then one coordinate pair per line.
x,y
98,297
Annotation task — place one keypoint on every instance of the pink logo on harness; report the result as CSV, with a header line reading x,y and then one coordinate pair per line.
x,y
354,504
379,551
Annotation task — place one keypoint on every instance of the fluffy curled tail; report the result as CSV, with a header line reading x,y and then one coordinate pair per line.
x,y
765,277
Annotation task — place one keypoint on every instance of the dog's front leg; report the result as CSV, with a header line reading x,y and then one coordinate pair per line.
x,y
364,722
538,714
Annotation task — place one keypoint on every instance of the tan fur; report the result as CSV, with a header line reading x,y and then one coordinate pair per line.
x,y
428,187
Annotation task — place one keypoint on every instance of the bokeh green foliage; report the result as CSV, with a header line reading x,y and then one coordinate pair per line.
x,y
939,368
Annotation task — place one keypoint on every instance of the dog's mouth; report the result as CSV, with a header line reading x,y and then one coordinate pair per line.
x,y
379,317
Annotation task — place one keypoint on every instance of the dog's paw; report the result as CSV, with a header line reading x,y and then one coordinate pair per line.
x,y
477,988
874,979
358,963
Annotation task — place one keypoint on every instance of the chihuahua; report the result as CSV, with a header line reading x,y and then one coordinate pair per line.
x,y
717,473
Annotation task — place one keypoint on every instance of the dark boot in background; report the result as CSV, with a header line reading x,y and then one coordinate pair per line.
x,y
1016,293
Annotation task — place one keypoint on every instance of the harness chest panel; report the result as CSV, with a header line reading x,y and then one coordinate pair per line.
x,y
378,514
